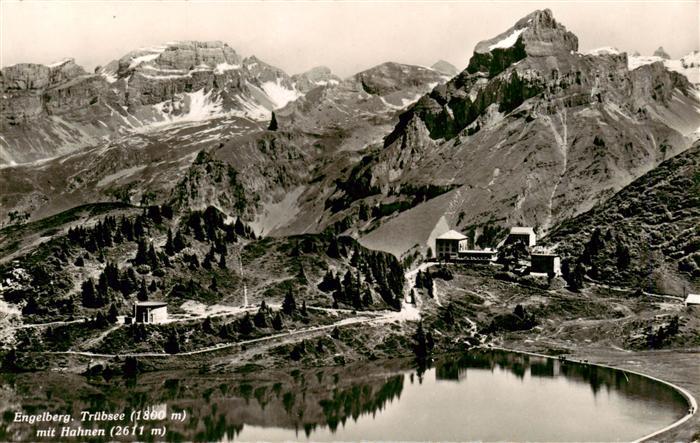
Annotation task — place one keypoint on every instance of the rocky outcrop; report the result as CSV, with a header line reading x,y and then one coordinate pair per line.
x,y
28,90
661,52
315,77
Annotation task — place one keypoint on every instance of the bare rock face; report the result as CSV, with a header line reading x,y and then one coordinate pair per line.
x,y
532,132
389,77
535,35
24,85
51,110
182,56
319,76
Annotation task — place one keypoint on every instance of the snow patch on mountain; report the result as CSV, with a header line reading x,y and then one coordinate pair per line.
x,y
606,50
146,58
110,77
508,41
633,62
197,106
223,67
688,65
279,94
59,63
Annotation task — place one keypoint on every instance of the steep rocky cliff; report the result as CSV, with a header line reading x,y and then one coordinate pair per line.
x,y
52,110
532,132
277,173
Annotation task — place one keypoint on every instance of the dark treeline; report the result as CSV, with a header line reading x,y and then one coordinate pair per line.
x,y
371,271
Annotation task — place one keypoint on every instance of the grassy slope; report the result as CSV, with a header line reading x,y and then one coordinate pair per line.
x,y
657,218
46,271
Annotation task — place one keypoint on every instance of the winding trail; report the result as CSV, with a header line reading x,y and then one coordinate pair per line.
x,y
368,317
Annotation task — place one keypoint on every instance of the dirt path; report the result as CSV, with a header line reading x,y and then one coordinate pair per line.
x,y
295,335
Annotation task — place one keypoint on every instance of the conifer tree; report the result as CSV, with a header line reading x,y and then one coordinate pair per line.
x,y
333,249
277,322
153,257
169,247
367,297
420,345
141,253
289,305
102,287
172,346
112,314
179,242
273,123
142,295
245,325
260,319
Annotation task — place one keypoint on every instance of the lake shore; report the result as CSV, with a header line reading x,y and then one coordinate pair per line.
x,y
676,366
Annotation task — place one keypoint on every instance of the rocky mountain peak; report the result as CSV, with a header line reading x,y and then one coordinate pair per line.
x,y
389,77
660,52
444,67
315,77
181,55
538,32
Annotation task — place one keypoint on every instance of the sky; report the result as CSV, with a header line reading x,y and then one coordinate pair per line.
x,y
346,36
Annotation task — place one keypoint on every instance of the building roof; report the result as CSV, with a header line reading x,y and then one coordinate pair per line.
x,y
693,299
523,230
452,235
151,304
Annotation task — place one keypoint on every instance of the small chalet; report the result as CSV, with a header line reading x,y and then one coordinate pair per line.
x,y
545,263
692,300
521,233
448,245
150,312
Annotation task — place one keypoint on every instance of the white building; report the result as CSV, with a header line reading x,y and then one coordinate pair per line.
x,y
449,244
525,234
150,312
692,299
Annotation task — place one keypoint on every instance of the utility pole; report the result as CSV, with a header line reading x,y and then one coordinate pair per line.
x,y
245,287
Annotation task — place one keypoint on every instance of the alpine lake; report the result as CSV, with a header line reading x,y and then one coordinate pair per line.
x,y
485,395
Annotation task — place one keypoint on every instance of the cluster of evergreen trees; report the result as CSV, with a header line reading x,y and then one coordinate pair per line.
x,y
264,318
373,269
352,290
605,256
111,282
423,343
110,231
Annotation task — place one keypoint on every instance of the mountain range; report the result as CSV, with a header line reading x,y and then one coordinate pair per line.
x,y
533,132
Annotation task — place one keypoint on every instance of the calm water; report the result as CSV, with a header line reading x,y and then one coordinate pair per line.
x,y
491,396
